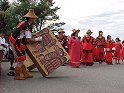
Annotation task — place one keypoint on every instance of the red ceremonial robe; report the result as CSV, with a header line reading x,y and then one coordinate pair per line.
x,y
117,52
74,46
122,53
109,45
87,53
100,48
94,50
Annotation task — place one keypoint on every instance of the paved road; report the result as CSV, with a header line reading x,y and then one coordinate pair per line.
x,y
97,79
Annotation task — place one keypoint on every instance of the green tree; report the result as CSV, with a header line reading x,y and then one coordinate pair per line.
x,y
55,27
43,9
4,5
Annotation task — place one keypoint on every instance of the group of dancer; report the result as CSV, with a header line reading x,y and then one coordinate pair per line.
x,y
88,50
85,50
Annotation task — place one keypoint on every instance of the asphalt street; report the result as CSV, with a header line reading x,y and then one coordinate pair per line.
x,y
96,79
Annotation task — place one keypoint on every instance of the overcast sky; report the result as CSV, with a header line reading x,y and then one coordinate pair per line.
x,y
105,15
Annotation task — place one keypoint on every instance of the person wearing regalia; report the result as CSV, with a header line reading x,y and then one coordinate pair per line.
x,y
18,40
63,40
94,51
87,48
122,51
117,52
108,49
100,43
74,46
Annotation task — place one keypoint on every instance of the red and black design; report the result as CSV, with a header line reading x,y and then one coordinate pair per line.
x,y
20,50
88,41
47,41
18,44
21,27
100,48
63,41
100,42
52,60
87,47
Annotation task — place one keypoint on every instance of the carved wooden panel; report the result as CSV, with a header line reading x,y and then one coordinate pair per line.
x,y
47,55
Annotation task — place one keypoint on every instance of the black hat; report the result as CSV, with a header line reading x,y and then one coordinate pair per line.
x,y
100,31
118,39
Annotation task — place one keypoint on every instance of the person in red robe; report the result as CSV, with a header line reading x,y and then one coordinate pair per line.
x,y
87,49
108,47
122,51
117,52
18,39
94,50
74,46
100,43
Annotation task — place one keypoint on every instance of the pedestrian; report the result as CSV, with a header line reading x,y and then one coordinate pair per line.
x,y
117,52
1,57
108,49
74,46
11,59
87,48
122,51
4,44
100,43
22,33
